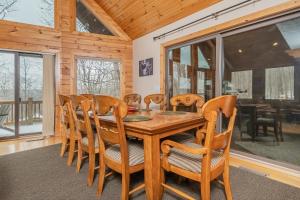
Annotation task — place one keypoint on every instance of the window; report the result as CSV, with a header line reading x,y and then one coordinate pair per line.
x,y
241,84
36,12
280,83
98,76
87,22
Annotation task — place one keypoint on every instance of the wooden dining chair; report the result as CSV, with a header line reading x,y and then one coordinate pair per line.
x,y
87,140
133,100
156,99
67,124
188,100
88,96
122,156
203,163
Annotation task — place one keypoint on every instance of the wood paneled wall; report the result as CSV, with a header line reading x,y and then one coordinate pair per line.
x,y
67,44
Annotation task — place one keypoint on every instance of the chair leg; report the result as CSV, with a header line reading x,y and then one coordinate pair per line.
x,y
125,186
79,158
205,190
71,152
226,180
276,132
91,169
101,176
63,147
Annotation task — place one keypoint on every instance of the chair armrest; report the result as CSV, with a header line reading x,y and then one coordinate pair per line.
x,y
167,144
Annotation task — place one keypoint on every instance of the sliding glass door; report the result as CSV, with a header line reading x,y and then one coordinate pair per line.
x,y
260,64
7,95
21,95
262,67
192,69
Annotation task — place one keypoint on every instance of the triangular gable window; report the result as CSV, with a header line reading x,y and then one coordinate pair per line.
x,y
87,22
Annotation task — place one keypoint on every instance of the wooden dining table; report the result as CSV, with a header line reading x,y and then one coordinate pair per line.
x,y
151,132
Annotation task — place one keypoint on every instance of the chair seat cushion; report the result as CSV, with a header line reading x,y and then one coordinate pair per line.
x,y
192,162
182,137
85,141
135,153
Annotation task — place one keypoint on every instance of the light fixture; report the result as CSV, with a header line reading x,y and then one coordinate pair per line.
x,y
275,44
240,51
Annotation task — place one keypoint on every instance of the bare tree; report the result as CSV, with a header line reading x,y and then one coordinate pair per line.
x,y
98,77
47,9
6,7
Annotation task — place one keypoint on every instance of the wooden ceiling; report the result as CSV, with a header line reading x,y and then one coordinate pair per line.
x,y
139,17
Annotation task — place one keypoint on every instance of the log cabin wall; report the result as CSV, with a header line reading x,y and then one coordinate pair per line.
x,y
67,44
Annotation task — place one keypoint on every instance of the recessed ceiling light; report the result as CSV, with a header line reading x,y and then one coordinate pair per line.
x,y
275,44
240,51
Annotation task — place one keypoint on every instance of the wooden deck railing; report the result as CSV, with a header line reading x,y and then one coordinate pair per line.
x,y
29,111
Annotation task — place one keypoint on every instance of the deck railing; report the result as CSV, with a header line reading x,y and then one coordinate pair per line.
x,y
29,111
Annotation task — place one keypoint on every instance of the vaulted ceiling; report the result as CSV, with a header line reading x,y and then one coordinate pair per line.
x,y
139,17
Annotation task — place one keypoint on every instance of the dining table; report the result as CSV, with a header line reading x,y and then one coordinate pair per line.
x,y
159,126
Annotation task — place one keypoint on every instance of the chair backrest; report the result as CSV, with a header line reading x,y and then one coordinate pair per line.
x,y
81,116
88,96
133,100
187,100
110,135
66,119
214,141
155,98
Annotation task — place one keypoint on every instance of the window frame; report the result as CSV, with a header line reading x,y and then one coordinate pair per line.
x,y
75,89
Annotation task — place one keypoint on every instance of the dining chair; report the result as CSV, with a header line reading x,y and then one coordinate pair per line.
x,y
156,99
118,154
188,100
203,163
87,139
133,100
88,96
68,133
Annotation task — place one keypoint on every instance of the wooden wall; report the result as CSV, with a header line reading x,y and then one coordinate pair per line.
x,y
67,44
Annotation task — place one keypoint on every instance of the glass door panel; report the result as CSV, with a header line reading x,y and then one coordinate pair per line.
x,y
191,69
262,67
31,94
7,95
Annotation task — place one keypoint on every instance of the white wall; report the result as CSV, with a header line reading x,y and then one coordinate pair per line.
x,y
144,47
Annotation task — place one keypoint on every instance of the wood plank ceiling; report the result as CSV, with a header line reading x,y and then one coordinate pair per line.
x,y
139,17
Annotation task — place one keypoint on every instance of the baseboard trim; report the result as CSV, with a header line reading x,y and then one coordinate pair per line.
x,y
270,170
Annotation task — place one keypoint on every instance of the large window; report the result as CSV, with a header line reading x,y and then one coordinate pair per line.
x,y
98,76
241,84
259,64
36,12
262,67
280,83
87,22
191,69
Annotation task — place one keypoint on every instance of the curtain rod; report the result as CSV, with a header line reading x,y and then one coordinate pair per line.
x,y
213,15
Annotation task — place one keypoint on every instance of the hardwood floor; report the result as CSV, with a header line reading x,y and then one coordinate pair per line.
x,y
28,143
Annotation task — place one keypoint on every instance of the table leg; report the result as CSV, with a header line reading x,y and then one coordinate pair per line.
x,y
152,167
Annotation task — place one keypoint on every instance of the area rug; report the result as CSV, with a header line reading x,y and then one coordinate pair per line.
x,y
41,174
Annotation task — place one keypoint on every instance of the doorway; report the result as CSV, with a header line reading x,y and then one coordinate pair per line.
x,y
21,94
